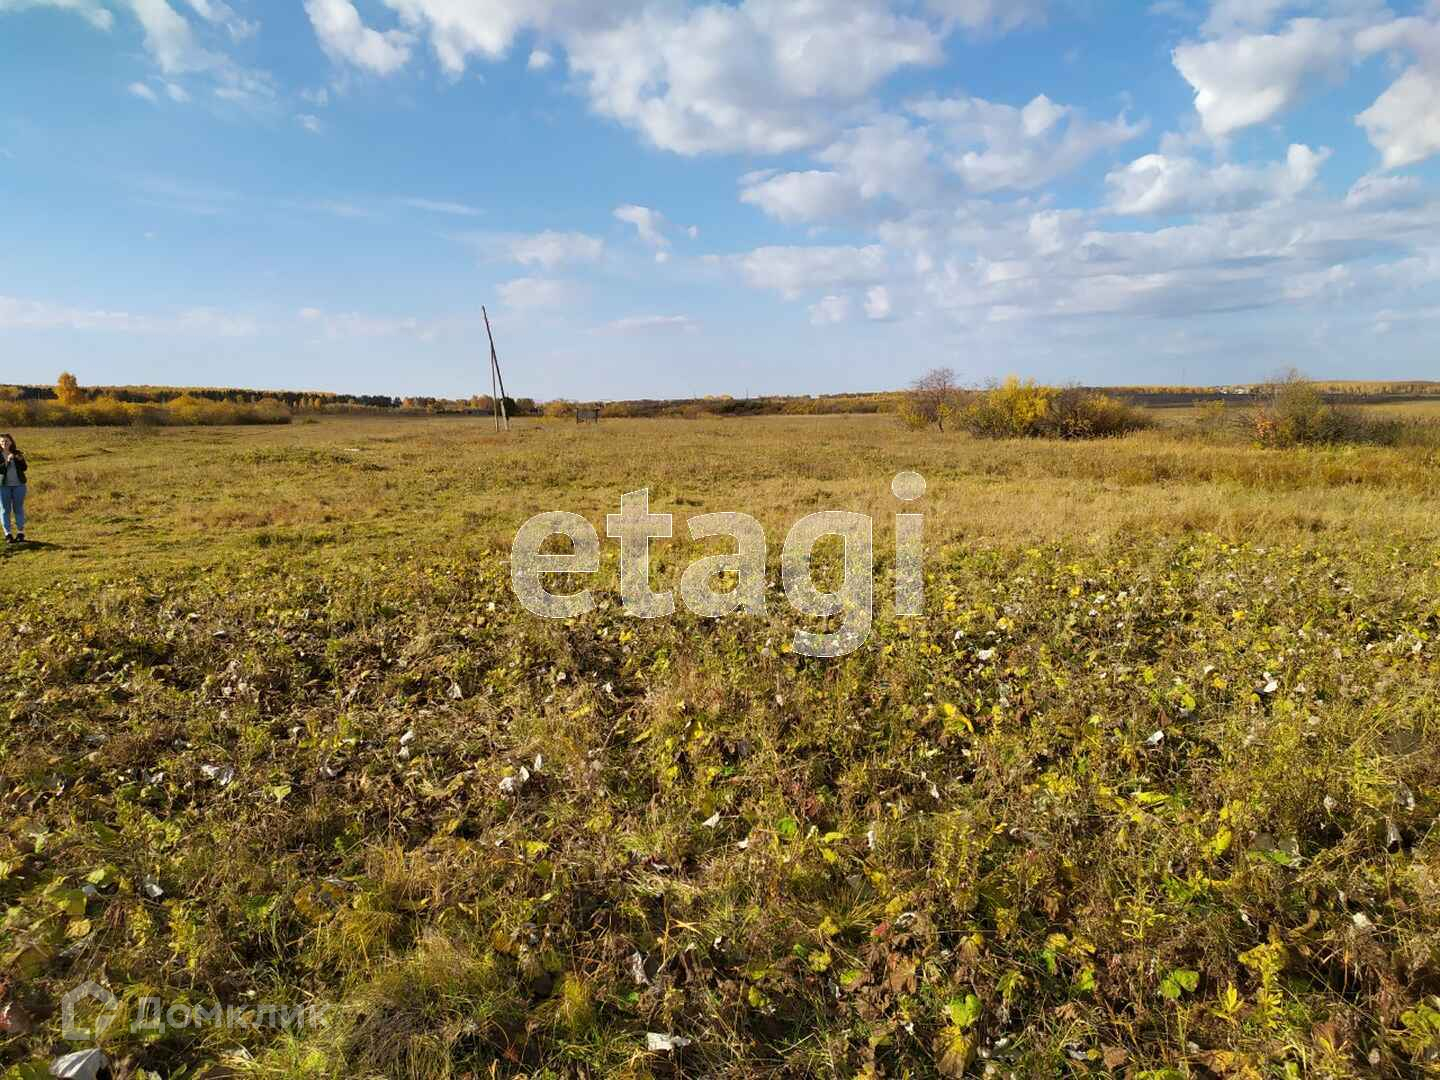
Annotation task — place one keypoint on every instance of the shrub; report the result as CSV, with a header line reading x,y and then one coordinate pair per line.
x,y
1297,414
1023,409
934,398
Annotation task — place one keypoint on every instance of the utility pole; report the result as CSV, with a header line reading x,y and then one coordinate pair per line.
x,y
501,409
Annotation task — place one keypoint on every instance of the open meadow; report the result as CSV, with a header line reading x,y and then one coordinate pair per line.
x,y
1150,791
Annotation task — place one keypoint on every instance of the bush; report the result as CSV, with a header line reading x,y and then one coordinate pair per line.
x,y
1022,409
1297,414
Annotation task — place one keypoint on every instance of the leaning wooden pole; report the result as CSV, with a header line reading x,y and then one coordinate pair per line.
x,y
493,399
495,373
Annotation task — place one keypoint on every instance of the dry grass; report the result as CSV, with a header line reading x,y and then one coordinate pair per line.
x,y
1150,791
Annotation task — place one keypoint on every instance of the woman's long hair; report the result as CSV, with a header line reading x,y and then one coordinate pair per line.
x,y
10,439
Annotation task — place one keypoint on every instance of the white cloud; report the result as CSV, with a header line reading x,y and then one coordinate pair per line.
x,y
793,271
1385,193
650,224
1242,16
1249,80
639,324
443,206
994,146
1404,123
92,11
829,311
170,40
460,29
354,324
764,76
552,249
309,123
1161,184
996,15
1272,257
878,306
540,60
177,93
215,11
339,208
140,90
889,156
346,39
23,314
532,292
802,197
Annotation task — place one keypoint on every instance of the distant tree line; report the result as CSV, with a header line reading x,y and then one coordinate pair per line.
x,y
68,392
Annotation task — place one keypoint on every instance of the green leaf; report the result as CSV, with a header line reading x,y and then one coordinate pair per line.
x,y
1178,982
106,875
965,1011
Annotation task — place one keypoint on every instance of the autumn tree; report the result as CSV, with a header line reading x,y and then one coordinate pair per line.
x,y
67,389
933,398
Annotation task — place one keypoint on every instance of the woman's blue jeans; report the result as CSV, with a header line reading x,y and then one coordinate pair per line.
x,y
12,507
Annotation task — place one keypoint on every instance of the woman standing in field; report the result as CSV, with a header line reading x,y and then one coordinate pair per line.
x,y
12,490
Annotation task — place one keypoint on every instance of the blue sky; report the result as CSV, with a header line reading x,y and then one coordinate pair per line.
x,y
670,198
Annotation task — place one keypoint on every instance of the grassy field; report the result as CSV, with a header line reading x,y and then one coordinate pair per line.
x,y
1151,790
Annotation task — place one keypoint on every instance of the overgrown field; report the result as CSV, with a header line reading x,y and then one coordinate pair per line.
x,y
1151,791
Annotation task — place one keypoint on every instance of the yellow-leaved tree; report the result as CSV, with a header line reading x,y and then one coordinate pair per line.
x,y
67,389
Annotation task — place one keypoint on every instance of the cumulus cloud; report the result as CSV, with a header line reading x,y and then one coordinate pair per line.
x,y
650,224
802,197
346,39
944,147
1275,255
995,146
761,76
540,60
888,157
552,249
140,90
1404,123
793,271
878,307
460,29
1236,16
990,15
1250,79
1243,78
1161,184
